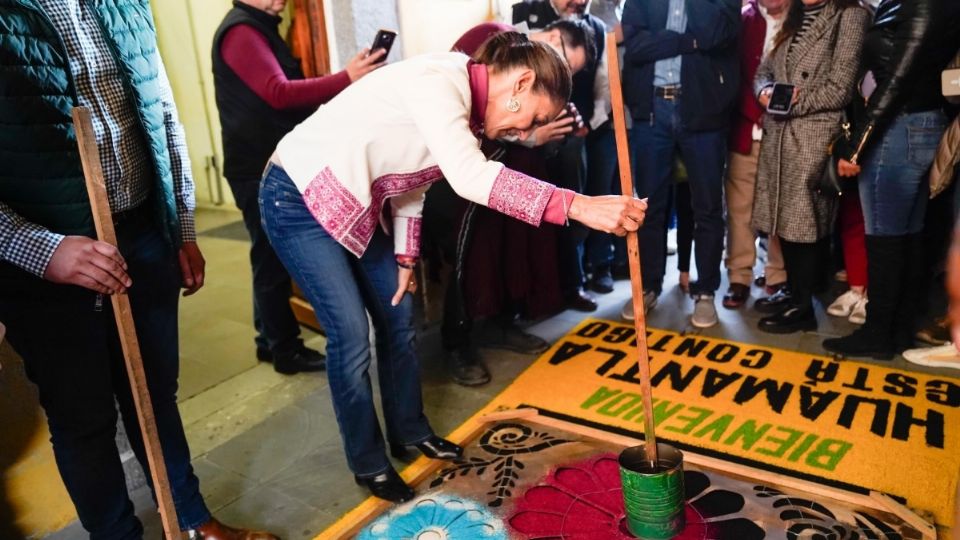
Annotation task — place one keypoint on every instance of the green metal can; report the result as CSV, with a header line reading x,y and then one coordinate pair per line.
x,y
653,494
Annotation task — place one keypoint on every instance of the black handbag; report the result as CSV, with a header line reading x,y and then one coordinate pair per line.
x,y
830,183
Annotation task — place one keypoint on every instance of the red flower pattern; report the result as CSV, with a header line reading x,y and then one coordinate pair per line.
x,y
584,501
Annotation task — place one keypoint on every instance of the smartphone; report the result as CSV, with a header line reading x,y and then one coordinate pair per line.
x,y
781,100
383,40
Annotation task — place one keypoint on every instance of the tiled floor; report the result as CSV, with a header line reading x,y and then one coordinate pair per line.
x,y
266,447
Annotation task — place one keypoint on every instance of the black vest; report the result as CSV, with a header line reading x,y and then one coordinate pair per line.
x,y
251,128
538,14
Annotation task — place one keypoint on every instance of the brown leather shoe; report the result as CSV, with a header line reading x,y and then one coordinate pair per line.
x,y
214,530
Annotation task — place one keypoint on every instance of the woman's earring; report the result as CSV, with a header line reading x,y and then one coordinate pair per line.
x,y
513,104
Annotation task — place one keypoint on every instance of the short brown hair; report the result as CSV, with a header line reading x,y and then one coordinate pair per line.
x,y
508,50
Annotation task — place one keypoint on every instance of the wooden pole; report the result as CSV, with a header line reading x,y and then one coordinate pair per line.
x,y
103,221
633,251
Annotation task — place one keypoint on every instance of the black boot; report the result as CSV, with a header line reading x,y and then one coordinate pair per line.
x,y
500,333
466,367
912,290
388,486
885,266
793,319
433,448
803,265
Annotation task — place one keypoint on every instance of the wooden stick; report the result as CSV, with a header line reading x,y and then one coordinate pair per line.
x,y
103,221
633,251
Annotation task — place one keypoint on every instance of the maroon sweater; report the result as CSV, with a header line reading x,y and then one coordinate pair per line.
x,y
248,54
752,34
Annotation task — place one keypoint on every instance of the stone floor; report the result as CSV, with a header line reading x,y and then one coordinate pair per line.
x,y
266,447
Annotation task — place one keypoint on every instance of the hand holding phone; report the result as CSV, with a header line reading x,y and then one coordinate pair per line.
x,y
781,99
383,40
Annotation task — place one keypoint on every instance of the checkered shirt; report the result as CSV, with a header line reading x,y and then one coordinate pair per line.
x,y
124,155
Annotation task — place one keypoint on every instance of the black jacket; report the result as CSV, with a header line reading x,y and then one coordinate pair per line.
x,y
538,14
909,44
710,73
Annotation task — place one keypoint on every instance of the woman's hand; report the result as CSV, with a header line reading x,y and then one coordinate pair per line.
x,y
764,97
554,131
365,62
846,168
617,214
406,282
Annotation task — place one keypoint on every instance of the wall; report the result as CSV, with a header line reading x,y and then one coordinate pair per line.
x,y
185,31
352,25
434,25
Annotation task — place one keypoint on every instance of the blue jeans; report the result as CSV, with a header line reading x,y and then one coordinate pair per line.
x,y
894,186
654,145
342,289
71,351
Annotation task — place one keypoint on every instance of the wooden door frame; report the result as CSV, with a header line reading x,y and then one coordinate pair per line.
x,y
308,37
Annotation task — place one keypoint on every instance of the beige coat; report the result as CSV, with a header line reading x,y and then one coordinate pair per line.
x,y
823,66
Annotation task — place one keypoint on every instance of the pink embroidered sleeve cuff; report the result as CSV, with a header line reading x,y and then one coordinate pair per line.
x,y
520,196
406,236
558,206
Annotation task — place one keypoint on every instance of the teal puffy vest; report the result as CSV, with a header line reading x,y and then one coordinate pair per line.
x,y
40,173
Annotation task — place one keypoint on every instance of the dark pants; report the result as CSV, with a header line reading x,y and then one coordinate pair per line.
x,y
602,179
277,328
567,170
71,351
654,145
684,212
342,289
806,264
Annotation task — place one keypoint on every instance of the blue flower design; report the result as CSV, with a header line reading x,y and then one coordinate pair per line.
x,y
437,517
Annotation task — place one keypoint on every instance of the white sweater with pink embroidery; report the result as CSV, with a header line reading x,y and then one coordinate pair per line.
x,y
386,138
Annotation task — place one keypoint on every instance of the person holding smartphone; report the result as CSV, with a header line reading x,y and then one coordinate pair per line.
x,y
261,95
804,85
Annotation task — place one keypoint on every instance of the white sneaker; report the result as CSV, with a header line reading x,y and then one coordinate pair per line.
x,y
942,356
649,302
859,313
844,304
704,312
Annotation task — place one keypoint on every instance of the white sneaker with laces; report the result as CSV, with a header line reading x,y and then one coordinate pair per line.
x,y
844,304
704,311
649,302
942,356
859,313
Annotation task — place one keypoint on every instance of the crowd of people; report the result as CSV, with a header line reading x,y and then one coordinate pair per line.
x,y
836,185
512,129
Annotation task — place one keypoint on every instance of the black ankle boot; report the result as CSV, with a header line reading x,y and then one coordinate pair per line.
x,y
885,267
433,448
862,342
793,319
774,303
388,486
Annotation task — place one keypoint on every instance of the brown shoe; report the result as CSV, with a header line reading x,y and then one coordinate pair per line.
x,y
736,296
214,530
